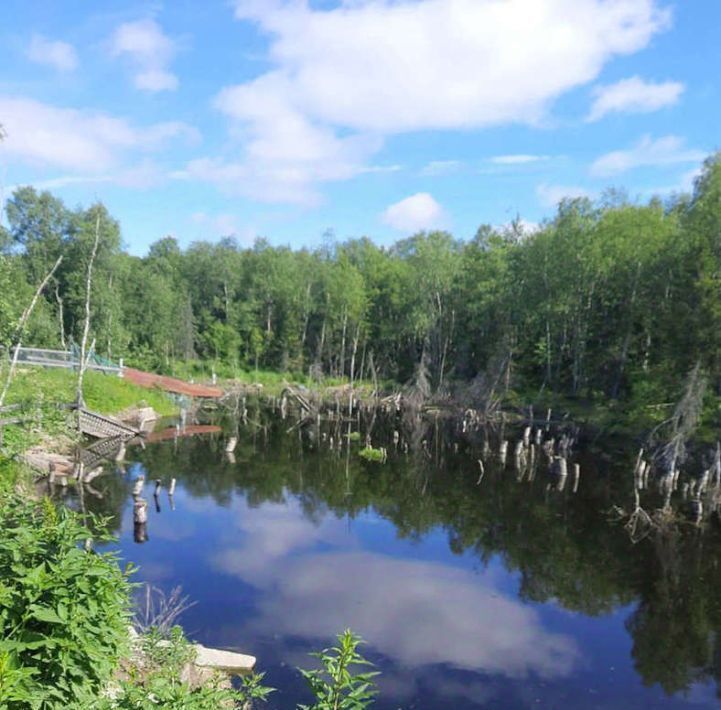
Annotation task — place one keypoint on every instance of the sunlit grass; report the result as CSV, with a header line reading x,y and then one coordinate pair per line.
x,y
106,394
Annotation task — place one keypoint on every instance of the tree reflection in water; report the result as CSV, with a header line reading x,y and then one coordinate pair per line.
x,y
561,545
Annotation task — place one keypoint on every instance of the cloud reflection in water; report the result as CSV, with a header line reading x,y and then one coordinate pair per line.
x,y
414,612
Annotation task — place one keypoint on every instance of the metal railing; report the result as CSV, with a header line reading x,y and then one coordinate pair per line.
x,y
62,358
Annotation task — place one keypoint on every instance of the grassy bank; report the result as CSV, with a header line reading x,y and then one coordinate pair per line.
x,y
41,394
106,394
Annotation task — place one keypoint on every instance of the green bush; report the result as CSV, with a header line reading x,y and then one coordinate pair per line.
x,y
64,609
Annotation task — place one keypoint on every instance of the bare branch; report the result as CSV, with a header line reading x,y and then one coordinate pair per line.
x,y
86,326
21,329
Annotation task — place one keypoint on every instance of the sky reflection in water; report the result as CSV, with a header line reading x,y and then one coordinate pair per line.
x,y
279,574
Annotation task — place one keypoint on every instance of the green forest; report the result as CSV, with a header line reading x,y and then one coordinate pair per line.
x,y
613,299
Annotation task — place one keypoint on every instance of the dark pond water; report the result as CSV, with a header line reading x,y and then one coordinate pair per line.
x,y
498,594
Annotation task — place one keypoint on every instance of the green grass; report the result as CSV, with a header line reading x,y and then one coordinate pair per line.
x,y
41,392
103,393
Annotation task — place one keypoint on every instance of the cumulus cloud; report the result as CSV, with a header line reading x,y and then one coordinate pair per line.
x,y
633,95
669,150
551,195
393,67
419,211
76,139
54,53
150,52
342,79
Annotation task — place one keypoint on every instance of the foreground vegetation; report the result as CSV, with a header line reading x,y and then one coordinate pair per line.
x,y
612,300
64,611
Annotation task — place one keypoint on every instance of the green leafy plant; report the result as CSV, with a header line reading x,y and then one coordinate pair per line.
x,y
64,609
15,682
161,678
335,685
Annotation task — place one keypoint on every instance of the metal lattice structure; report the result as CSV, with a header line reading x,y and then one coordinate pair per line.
x,y
103,450
102,427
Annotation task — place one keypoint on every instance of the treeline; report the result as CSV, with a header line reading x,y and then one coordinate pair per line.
x,y
608,299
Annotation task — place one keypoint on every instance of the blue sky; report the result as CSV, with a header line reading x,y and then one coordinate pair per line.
x,y
286,119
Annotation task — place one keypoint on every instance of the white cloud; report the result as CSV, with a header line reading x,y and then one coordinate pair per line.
x,y
287,165
156,80
380,169
343,79
141,176
520,159
633,95
522,227
669,150
394,604
551,195
150,51
396,66
54,53
437,168
419,211
76,139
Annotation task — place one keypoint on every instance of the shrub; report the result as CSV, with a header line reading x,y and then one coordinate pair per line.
x,y
64,609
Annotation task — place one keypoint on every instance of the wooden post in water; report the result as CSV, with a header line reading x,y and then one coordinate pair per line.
x,y
140,520
138,487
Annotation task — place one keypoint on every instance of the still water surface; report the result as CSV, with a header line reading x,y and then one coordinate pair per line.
x,y
498,594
